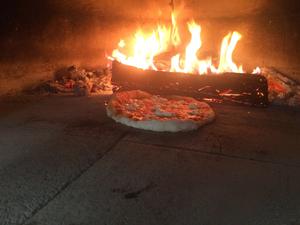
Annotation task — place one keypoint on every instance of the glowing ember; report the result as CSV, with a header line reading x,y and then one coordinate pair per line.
x,y
147,46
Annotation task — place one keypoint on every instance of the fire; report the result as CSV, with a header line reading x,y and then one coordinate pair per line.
x,y
149,45
228,45
257,70
175,33
191,62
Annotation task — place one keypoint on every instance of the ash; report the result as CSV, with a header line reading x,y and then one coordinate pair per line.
x,y
282,89
75,81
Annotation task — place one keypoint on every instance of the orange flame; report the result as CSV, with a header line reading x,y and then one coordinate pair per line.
x,y
228,45
175,32
147,46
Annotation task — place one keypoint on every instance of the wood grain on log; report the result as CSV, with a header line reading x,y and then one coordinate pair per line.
x,y
242,88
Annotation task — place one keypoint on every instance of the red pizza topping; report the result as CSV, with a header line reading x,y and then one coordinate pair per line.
x,y
153,107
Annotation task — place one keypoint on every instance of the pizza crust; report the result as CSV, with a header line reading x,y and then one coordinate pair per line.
x,y
165,114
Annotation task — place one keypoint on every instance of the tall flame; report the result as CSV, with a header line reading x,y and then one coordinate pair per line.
x,y
148,45
228,45
192,48
175,32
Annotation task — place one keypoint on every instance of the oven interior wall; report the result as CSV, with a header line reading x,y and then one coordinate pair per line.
x,y
38,36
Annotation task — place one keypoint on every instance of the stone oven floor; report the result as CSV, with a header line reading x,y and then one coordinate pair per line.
x,y
62,161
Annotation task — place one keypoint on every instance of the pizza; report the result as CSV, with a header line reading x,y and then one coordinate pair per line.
x,y
142,110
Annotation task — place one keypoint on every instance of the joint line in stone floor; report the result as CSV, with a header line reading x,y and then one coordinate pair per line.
x,y
68,183
170,148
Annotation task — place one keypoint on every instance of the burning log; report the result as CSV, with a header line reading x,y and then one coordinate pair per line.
x,y
242,88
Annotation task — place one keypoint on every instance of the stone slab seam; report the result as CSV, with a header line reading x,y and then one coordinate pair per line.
x,y
68,183
166,147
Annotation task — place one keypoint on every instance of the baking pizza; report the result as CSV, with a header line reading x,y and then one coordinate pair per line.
x,y
142,110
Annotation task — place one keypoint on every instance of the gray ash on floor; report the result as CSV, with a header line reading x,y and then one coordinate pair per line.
x,y
77,81
282,89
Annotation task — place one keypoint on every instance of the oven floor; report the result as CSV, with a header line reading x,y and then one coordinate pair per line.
x,y
62,161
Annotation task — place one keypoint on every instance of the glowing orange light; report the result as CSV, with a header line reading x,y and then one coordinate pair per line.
x,y
148,45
